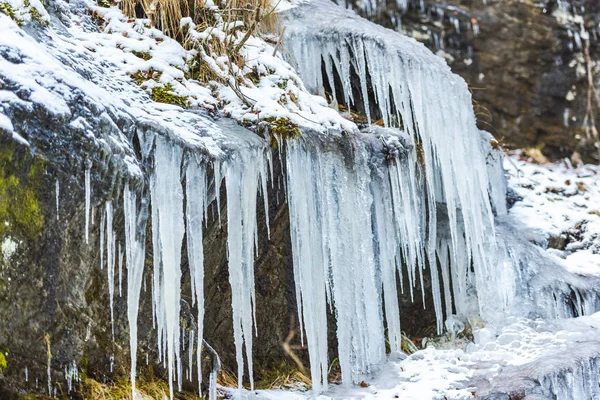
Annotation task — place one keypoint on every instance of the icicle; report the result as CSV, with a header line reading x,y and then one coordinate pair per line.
x,y
110,261
26,375
57,197
196,195
214,373
120,270
242,175
168,231
71,375
385,254
102,228
191,355
330,204
88,167
309,260
135,231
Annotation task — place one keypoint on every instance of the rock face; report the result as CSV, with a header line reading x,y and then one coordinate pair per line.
x,y
524,62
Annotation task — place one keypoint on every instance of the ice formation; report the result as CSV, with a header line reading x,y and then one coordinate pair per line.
x,y
167,238
400,201
87,201
110,261
415,91
196,195
243,174
135,249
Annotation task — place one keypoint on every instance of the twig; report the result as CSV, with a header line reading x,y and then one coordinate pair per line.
x,y
288,349
249,32
278,41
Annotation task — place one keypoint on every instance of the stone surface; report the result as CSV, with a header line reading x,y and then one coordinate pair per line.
x,y
521,67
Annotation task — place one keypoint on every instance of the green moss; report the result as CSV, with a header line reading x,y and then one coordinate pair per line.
x,y
35,15
281,128
20,213
142,76
144,55
7,9
165,94
282,376
103,3
3,363
282,84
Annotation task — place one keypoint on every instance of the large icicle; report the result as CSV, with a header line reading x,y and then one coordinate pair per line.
x,y
135,249
330,206
413,89
310,268
446,174
196,196
243,173
110,262
88,196
168,230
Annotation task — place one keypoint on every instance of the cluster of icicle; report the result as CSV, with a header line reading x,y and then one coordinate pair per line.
x,y
434,108
338,260
245,176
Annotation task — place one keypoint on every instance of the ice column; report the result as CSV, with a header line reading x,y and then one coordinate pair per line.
x,y
243,171
196,196
168,230
135,249
110,261
330,207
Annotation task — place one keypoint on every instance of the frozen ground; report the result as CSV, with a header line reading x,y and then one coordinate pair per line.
x,y
559,205
562,203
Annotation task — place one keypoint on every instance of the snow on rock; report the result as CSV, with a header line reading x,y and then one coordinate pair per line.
x,y
560,205
279,93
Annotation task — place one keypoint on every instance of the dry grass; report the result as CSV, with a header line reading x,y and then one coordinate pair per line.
x,y
121,390
167,14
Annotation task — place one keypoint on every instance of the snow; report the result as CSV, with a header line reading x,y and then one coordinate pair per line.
x,y
507,359
560,202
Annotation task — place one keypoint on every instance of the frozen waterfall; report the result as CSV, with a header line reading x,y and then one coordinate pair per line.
x,y
414,90
372,214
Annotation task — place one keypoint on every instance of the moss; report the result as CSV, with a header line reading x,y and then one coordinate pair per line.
x,y
20,213
121,389
201,72
144,55
253,76
282,128
35,15
7,9
282,376
3,363
142,76
103,3
165,94
282,84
